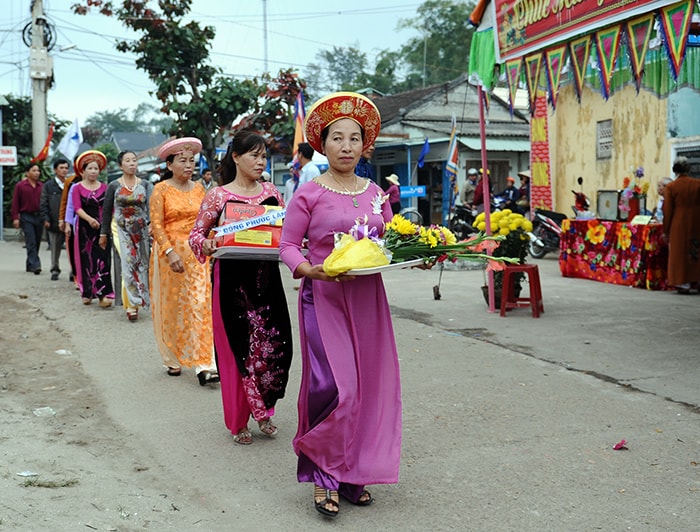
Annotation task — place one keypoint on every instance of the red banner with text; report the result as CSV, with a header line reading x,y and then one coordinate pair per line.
x,y
525,26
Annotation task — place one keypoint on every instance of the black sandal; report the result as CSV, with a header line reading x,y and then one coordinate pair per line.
x,y
326,500
207,377
359,502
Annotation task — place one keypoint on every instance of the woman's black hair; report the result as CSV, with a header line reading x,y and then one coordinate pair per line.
x,y
122,154
324,134
243,142
167,172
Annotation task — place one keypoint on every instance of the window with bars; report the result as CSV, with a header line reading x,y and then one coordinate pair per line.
x,y
604,139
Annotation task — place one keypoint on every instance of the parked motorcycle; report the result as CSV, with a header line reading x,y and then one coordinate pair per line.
x,y
460,222
546,232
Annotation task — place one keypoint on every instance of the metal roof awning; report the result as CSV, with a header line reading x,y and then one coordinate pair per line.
x,y
496,144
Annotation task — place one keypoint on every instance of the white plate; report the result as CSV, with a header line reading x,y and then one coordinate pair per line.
x,y
381,269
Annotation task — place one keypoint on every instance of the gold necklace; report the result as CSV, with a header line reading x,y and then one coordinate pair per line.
x,y
352,194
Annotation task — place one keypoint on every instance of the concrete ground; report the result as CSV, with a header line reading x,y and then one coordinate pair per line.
x,y
509,422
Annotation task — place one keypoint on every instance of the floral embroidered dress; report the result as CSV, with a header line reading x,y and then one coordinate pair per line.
x,y
252,329
180,302
128,208
92,262
349,431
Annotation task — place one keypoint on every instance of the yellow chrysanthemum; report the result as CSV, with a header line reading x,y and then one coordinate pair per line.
x,y
527,225
503,222
480,217
429,236
507,211
401,225
449,236
496,216
504,231
481,226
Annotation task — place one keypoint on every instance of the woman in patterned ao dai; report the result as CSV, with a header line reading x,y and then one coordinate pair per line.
x,y
179,283
87,199
252,329
126,203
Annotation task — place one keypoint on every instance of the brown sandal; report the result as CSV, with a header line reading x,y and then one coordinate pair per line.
x,y
324,498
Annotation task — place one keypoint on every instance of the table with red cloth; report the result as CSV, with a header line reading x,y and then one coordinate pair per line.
x,y
614,252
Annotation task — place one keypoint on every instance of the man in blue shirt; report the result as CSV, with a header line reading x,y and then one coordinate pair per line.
x,y
364,168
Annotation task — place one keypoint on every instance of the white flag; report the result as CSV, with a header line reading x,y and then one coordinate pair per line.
x,y
70,143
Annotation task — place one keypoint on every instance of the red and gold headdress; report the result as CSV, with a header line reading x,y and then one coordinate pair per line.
x,y
342,105
88,157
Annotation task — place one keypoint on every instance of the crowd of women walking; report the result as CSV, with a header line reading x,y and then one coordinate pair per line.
x,y
227,317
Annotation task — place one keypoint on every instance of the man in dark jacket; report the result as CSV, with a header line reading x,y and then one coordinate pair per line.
x,y
49,207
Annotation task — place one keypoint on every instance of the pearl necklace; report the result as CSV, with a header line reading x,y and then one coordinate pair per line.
x,y
353,193
132,187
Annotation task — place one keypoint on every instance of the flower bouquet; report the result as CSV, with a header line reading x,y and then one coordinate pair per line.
x,y
512,228
404,241
633,191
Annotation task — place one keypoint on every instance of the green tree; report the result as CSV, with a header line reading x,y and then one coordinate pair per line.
x,y
441,53
175,56
338,69
17,131
274,112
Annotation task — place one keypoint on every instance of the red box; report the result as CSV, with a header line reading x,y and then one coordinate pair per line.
x,y
261,236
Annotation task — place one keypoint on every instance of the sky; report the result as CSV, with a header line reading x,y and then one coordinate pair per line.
x,y
92,76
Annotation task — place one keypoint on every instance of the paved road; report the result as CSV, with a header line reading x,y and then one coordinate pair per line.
x,y
509,422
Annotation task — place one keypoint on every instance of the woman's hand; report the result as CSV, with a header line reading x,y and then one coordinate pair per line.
x,y
67,229
316,272
176,263
103,241
209,247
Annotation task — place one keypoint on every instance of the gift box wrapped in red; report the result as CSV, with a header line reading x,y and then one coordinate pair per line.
x,y
260,236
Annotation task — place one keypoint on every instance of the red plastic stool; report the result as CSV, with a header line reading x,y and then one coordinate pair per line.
x,y
534,300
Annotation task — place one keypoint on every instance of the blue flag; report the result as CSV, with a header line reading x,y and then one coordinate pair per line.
x,y
424,151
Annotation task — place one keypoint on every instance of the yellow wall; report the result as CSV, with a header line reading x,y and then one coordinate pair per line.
x,y
639,124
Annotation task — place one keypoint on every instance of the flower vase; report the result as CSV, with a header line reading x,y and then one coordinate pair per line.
x,y
634,209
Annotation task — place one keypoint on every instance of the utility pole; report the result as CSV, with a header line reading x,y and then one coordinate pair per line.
x,y
265,34
41,72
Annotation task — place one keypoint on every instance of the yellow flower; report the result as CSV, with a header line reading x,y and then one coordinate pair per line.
x,y
428,236
503,222
480,217
527,225
401,225
481,225
625,238
596,234
504,231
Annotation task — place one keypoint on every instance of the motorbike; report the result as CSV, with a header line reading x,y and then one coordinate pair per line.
x,y
546,232
461,221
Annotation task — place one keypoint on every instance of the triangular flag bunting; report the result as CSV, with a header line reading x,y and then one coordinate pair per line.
x,y
579,50
533,65
554,60
638,35
607,42
513,76
675,24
